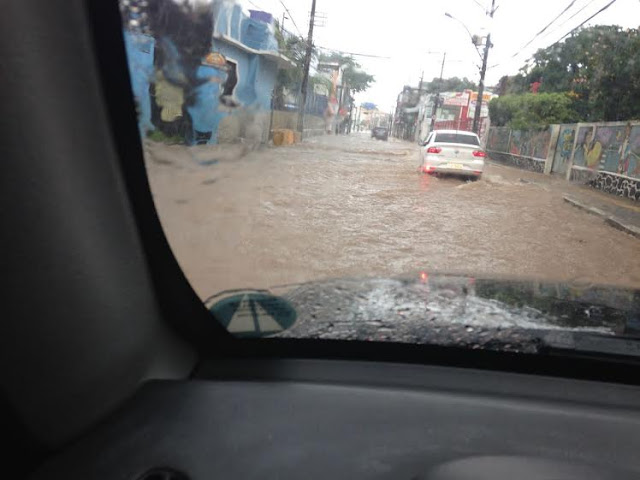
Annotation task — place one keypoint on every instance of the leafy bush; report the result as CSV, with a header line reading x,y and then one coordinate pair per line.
x,y
598,66
532,111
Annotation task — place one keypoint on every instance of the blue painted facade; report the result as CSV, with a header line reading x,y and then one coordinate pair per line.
x,y
140,51
249,43
252,46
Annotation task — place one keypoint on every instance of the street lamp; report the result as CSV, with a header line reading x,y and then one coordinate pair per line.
x,y
472,37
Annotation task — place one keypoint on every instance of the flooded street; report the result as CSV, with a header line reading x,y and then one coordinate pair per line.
x,y
351,206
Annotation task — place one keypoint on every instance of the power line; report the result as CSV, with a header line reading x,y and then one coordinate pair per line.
x,y
575,14
257,6
354,54
291,18
570,32
551,32
481,6
580,25
591,17
287,10
545,28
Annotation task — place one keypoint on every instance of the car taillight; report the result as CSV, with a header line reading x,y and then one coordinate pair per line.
x,y
479,153
434,150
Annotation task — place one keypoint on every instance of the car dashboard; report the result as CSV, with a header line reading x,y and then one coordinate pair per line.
x,y
336,419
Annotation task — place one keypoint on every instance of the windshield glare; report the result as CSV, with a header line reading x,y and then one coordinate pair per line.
x,y
297,156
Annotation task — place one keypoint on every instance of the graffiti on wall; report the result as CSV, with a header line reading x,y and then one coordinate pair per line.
x,y
629,164
564,148
530,143
610,153
606,156
566,139
600,147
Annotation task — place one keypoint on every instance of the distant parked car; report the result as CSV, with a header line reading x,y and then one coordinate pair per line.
x,y
381,133
453,151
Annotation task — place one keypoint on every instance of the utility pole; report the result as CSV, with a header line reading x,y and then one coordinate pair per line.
x,y
483,71
436,103
305,71
284,17
417,125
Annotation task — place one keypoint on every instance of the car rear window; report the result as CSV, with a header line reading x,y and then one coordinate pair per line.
x,y
457,138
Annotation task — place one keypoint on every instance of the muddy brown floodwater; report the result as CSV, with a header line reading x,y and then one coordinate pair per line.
x,y
350,206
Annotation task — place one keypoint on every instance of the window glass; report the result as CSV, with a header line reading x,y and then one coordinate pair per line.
x,y
457,138
283,145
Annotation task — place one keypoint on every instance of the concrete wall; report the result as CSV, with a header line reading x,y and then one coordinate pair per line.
x,y
605,156
253,128
523,149
244,126
313,124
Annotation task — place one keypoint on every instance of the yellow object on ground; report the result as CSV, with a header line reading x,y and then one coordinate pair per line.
x,y
278,137
283,136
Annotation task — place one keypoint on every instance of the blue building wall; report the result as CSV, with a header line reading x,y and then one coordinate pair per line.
x,y
266,77
205,114
256,80
140,51
256,73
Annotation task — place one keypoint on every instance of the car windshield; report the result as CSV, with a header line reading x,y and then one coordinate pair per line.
x,y
456,138
284,146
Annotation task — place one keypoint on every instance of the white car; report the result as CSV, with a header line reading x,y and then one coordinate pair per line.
x,y
452,151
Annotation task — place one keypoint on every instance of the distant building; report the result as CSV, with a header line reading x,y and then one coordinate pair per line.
x,y
406,120
416,113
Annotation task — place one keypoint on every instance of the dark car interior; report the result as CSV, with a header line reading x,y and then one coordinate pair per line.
x,y
112,368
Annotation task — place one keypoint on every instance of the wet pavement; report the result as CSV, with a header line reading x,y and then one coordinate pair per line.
x,y
350,206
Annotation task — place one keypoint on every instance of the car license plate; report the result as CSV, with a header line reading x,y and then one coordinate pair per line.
x,y
455,166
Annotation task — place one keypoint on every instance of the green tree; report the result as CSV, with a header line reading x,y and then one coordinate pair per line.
x,y
512,85
294,48
532,111
453,84
357,80
596,66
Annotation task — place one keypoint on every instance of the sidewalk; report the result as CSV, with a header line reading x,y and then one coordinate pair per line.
x,y
617,212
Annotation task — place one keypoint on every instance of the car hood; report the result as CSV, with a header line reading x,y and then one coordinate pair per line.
x,y
463,311
480,313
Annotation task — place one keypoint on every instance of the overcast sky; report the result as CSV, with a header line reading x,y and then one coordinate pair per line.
x,y
415,33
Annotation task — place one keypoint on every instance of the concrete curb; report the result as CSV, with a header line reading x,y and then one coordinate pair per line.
x,y
610,220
